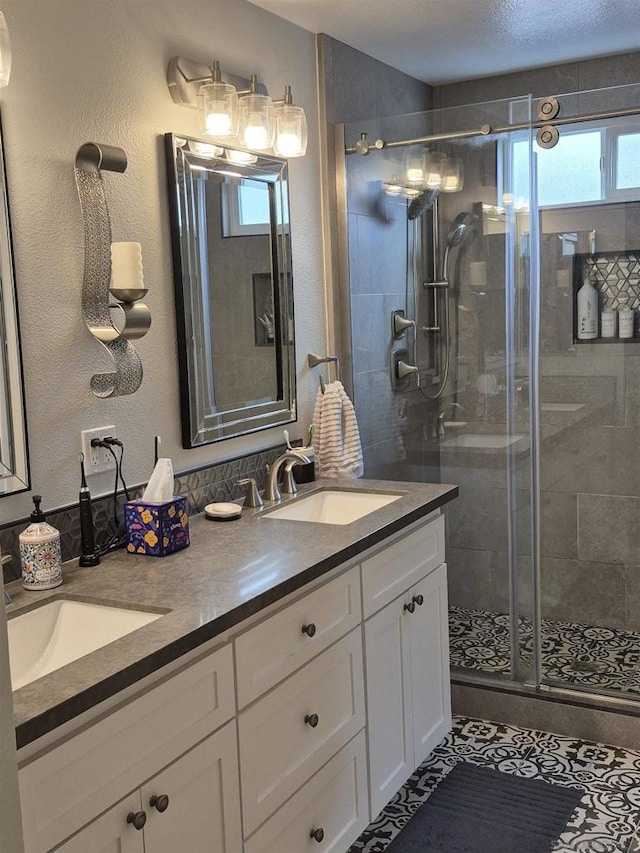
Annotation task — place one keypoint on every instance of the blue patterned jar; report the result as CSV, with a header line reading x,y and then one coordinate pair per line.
x,y
40,553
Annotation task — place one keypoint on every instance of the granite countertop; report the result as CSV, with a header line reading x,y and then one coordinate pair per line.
x,y
230,571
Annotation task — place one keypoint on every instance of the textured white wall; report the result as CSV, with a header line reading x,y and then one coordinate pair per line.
x,y
95,70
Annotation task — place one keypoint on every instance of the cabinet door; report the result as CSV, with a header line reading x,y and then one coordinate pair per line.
x,y
110,833
203,811
430,684
389,712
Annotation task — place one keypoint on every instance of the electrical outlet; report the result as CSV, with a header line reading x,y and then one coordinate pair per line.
x,y
97,459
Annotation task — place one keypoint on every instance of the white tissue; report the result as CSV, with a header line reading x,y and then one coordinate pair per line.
x,y
126,266
160,486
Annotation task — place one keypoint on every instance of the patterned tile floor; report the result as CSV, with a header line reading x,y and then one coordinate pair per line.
x,y
607,820
572,654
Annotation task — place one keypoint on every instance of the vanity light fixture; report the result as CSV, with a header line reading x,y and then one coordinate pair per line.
x,y
239,112
290,128
454,176
256,119
220,109
244,158
5,52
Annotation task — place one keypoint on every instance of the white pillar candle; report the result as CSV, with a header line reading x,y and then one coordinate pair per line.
x,y
126,266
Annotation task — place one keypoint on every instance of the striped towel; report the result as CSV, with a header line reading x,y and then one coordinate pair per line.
x,y
336,438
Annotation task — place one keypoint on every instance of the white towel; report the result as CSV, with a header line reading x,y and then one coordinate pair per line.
x,y
336,438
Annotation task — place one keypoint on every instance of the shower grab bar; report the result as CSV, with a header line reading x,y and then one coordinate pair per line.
x,y
314,360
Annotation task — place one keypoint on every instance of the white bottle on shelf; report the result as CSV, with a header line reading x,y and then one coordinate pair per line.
x,y
587,310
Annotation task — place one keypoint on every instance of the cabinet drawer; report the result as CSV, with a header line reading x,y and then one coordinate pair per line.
x,y
66,787
278,646
393,570
279,749
333,801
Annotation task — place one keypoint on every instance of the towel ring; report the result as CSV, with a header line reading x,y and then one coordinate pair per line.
x,y
314,360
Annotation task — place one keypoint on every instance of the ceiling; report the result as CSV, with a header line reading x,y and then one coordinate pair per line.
x,y
442,41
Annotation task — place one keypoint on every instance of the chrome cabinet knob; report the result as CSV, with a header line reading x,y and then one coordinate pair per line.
x,y
138,819
160,802
312,720
317,834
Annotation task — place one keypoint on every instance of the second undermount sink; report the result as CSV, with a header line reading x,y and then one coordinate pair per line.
x,y
57,633
333,506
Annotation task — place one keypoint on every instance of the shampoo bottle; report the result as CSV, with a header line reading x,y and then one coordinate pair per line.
x,y
587,310
40,553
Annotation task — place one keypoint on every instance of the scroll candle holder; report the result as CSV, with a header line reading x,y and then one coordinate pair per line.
x,y
98,289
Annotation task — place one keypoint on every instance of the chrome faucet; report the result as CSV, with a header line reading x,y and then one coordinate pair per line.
x,y
439,429
295,457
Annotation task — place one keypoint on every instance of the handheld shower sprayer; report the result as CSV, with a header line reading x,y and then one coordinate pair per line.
x,y
457,234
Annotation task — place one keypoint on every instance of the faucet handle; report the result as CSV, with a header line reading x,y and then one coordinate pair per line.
x,y
289,486
253,499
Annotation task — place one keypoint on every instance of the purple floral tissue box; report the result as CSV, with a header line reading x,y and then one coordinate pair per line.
x,y
157,529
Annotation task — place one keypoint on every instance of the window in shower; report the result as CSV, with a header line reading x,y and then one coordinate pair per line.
x,y
575,171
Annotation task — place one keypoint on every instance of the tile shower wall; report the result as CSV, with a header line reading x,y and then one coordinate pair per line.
x,y
200,486
589,418
359,88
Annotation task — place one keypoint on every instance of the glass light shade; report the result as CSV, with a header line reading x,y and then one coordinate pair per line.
x,y
454,176
242,157
207,149
256,122
5,52
415,167
220,106
392,187
435,170
290,131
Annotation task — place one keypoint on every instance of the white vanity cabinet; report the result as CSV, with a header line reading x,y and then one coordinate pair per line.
x,y
266,744
66,787
192,805
407,658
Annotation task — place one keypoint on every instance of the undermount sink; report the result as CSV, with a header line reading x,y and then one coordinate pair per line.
x,y
333,506
480,441
62,631
561,407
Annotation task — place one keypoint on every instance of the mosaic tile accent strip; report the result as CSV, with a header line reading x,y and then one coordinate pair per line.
x,y
200,486
581,655
607,819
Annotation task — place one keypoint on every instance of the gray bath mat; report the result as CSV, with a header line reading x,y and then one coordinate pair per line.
x,y
481,810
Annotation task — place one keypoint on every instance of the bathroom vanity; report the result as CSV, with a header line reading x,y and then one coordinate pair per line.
x,y
299,678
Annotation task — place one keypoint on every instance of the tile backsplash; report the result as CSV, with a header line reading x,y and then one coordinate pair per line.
x,y
200,486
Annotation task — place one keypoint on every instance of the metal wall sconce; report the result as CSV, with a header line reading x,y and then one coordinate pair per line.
x,y
237,111
112,271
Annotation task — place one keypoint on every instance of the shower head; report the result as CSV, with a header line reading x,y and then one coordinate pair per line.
x,y
461,229
422,203
462,226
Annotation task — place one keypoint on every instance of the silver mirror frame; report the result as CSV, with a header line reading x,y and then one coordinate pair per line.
x,y
202,425
14,457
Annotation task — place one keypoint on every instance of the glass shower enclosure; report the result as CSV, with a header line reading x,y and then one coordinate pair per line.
x,y
469,233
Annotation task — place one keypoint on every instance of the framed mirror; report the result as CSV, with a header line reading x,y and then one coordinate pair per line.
x,y
14,465
233,288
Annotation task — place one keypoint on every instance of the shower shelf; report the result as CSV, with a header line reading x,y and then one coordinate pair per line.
x,y
617,280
